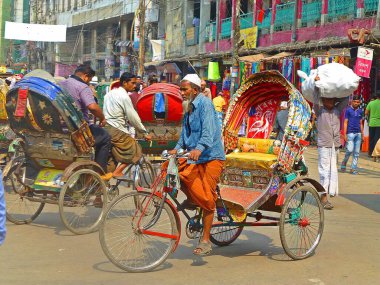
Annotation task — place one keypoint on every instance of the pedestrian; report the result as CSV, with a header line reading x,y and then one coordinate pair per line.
x,y
281,120
328,142
2,212
205,91
219,104
373,111
200,173
353,134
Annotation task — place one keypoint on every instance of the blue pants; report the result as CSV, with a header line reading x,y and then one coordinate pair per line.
x,y
352,147
102,145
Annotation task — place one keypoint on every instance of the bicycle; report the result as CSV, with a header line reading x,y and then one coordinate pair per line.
x,y
139,230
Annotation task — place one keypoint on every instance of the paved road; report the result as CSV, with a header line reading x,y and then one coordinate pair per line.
x,y
45,253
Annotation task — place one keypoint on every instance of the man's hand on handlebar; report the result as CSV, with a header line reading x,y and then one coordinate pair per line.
x,y
195,154
172,152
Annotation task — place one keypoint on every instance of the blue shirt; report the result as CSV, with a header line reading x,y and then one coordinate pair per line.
x,y
354,120
201,130
2,212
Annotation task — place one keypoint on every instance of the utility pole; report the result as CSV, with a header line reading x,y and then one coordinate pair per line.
x,y
235,44
217,25
142,38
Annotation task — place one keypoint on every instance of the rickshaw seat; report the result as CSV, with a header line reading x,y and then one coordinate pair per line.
x,y
250,160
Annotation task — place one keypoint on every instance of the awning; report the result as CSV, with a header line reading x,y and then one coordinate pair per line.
x,y
152,63
170,68
280,55
254,57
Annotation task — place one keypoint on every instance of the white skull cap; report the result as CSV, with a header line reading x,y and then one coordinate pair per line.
x,y
193,78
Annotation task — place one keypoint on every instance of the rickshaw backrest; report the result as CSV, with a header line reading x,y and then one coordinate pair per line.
x,y
36,106
160,101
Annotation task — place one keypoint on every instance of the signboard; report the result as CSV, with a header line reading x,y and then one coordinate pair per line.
x,y
35,32
364,62
250,37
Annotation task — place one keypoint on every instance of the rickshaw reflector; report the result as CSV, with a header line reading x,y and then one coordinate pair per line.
x,y
22,99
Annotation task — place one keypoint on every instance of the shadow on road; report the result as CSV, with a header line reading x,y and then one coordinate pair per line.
x,y
370,201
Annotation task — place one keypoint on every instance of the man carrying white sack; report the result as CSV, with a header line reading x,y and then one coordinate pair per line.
x,y
328,141
329,88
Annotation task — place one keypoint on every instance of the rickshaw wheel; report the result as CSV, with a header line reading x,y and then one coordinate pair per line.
x,y
122,240
301,222
226,234
20,210
82,200
146,175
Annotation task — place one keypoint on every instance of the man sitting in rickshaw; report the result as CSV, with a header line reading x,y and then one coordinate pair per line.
x,y
120,115
77,86
201,135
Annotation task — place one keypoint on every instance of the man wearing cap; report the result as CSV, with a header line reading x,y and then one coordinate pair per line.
x,y
200,173
281,120
219,104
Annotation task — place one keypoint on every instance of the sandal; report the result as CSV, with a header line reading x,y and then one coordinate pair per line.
x,y
327,205
203,248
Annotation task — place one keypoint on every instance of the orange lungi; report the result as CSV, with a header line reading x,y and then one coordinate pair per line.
x,y
200,181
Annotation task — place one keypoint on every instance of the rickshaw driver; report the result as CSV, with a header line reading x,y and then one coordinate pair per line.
x,y
120,115
199,175
77,86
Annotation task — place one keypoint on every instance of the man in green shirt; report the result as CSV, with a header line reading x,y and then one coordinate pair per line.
x,y
373,110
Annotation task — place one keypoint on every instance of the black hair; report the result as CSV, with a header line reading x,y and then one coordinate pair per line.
x,y
355,98
153,79
126,77
85,69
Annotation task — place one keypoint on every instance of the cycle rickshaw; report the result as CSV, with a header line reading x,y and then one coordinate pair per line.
x,y
140,230
58,166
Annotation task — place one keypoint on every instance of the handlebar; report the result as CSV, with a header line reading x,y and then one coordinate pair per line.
x,y
181,153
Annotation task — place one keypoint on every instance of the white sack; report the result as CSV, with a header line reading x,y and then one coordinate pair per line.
x,y
336,81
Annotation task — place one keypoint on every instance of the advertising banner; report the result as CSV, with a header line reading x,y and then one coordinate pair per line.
x,y
364,62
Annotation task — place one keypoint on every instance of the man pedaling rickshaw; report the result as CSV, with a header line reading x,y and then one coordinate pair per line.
x,y
120,116
199,174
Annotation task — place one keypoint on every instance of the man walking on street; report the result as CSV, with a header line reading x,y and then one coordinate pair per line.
x,y
200,173
373,111
353,134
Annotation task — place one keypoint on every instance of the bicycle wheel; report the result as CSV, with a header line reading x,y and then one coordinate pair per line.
x,y
122,238
81,201
145,176
301,222
20,209
223,234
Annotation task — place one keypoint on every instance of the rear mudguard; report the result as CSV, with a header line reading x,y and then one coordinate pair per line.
x,y
287,190
12,163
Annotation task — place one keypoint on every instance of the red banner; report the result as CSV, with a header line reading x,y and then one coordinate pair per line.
x,y
260,124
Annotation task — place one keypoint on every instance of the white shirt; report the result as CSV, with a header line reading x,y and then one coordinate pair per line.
x,y
119,112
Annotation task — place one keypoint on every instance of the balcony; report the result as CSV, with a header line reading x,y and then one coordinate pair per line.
x,y
342,15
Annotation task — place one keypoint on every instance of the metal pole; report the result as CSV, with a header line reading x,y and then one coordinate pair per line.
x,y
142,38
295,22
217,25
378,18
235,48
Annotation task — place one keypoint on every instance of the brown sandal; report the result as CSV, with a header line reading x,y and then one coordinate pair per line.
x,y
203,248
